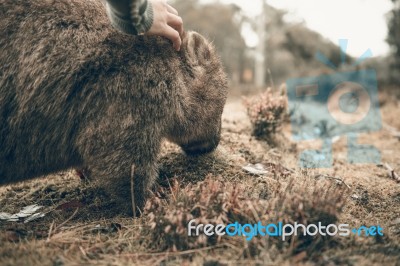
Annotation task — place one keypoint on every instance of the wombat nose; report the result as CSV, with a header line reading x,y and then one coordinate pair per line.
x,y
200,147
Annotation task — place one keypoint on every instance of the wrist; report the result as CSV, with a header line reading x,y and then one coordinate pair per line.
x,y
129,16
142,17
121,23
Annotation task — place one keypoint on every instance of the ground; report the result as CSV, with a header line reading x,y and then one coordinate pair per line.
x,y
214,189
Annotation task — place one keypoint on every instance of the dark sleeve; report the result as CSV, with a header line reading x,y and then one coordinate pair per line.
x,y
130,16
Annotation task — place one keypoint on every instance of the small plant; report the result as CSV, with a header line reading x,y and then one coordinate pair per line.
x,y
215,201
266,112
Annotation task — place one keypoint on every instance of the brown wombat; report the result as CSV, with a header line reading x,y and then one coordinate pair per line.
x,y
74,92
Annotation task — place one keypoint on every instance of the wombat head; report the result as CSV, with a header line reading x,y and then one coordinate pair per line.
x,y
199,129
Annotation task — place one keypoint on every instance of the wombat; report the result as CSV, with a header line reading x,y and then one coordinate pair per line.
x,y
76,93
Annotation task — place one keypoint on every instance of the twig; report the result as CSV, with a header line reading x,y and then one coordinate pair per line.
x,y
58,227
334,178
83,251
50,231
392,130
288,169
66,221
392,173
172,191
132,190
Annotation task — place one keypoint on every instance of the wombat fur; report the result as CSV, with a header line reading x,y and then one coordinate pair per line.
x,y
76,93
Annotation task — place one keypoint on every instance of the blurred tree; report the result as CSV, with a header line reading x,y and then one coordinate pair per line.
x,y
291,49
394,41
221,24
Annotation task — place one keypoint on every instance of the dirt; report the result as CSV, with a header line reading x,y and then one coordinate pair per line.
x,y
78,228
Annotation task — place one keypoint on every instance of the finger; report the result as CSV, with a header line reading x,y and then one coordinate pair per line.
x,y
175,22
172,10
174,36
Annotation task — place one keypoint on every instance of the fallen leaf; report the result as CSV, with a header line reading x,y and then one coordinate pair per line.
x,y
28,213
5,216
34,217
31,209
255,169
392,173
355,196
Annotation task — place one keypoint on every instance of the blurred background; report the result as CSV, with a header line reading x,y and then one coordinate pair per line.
x,y
264,42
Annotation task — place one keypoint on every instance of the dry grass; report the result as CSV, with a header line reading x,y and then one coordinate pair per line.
x,y
266,112
214,189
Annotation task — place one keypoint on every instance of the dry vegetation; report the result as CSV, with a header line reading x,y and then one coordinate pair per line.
x,y
266,112
214,189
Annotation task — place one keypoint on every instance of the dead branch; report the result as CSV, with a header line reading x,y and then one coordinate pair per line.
x,y
132,190
392,173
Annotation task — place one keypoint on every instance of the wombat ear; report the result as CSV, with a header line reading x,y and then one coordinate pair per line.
x,y
197,49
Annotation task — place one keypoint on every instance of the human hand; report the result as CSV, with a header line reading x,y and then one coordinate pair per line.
x,y
166,23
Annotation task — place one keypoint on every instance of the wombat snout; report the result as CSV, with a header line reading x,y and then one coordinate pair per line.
x,y
201,147
204,146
